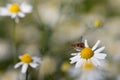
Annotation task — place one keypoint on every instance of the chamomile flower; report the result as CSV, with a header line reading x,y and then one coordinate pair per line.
x,y
26,61
92,75
87,72
88,54
15,10
90,72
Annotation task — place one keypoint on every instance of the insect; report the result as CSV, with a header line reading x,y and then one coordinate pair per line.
x,y
78,46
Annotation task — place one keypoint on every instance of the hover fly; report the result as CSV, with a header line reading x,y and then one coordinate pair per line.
x,y
80,45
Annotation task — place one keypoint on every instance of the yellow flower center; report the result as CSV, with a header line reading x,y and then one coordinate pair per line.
x,y
88,66
26,58
14,8
98,23
87,53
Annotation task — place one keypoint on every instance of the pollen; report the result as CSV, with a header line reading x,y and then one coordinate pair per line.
x,y
26,58
86,53
14,8
98,23
88,66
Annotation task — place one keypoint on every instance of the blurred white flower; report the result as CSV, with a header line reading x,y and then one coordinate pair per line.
x,y
87,72
27,60
65,66
88,54
47,66
15,10
9,75
93,20
5,50
91,75
49,13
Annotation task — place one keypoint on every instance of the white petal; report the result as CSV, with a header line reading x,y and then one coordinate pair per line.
x,y
74,54
78,64
24,68
36,59
18,65
98,62
75,59
86,43
95,61
13,16
100,55
33,65
77,49
99,50
96,45
4,12
25,8
22,15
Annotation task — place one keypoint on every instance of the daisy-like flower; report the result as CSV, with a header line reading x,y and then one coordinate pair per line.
x,y
92,75
15,10
26,61
88,54
87,72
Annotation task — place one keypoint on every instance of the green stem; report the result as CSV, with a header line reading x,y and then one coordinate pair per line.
x,y
14,42
26,76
